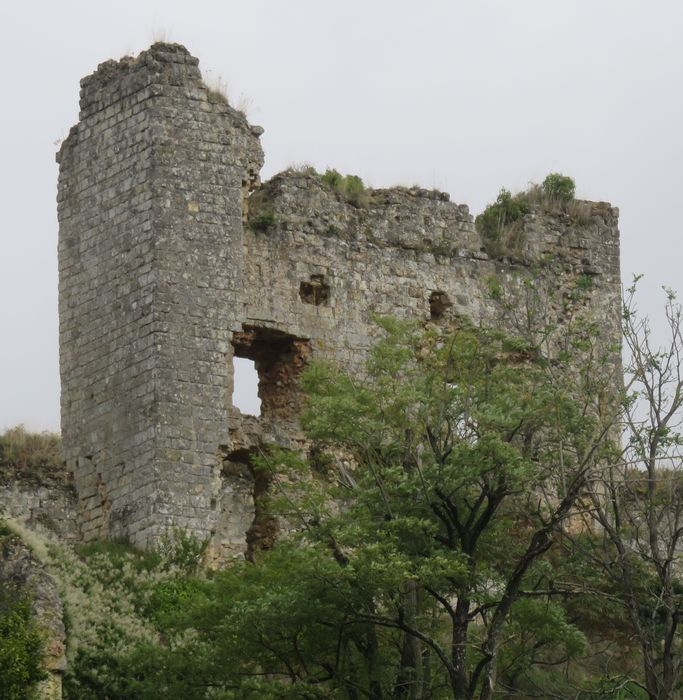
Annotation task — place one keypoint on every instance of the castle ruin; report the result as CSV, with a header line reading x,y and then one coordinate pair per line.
x,y
174,258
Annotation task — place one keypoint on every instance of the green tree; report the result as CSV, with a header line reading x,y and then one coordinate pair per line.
x,y
638,504
472,449
420,527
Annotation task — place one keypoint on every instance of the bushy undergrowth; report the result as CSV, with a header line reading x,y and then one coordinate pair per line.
x,y
119,603
21,645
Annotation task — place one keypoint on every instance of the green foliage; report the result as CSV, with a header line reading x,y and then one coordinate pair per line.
x,y
170,599
119,554
495,287
333,178
497,218
21,646
558,186
446,441
264,221
437,483
122,606
500,224
350,187
5,530
182,550
584,282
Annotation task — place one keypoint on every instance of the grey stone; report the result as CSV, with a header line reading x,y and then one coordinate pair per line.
x,y
174,258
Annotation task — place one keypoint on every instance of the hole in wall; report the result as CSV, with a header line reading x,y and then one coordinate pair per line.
x,y
246,386
279,359
316,291
438,304
239,468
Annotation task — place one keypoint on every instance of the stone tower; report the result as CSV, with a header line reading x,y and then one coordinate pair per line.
x,y
173,259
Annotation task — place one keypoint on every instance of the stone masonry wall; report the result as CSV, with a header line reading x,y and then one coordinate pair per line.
x,y
42,502
168,269
407,249
151,190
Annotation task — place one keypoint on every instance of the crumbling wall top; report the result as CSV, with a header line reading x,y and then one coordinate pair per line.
x,y
170,63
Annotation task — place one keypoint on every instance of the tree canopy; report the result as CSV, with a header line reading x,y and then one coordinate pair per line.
x,y
481,515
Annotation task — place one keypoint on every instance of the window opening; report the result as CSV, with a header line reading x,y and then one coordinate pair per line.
x,y
316,292
279,358
245,386
438,304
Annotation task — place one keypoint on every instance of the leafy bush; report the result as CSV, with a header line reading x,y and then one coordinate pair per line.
x,y
349,186
558,186
121,603
333,178
263,221
171,598
497,217
21,645
500,223
182,550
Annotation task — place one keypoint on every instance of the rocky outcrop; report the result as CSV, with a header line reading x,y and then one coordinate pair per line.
x,y
20,567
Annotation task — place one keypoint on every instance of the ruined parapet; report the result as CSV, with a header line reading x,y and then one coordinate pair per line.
x,y
42,500
168,269
415,254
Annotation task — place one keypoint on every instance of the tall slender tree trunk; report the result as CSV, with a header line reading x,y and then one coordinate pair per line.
x,y
459,649
409,683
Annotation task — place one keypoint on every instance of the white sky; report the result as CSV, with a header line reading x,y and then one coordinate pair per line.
x,y
463,95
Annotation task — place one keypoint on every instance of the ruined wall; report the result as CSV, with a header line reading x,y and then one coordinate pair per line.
x,y
414,254
167,270
43,500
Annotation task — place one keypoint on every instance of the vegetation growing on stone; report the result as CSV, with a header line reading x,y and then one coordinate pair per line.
x,y
559,187
263,221
496,222
501,223
35,455
22,643
20,447
350,187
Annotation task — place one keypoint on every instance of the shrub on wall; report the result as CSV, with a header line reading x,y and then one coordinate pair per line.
x,y
500,223
263,221
558,186
349,186
497,217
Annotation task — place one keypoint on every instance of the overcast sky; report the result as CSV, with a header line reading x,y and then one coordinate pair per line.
x,y
462,95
